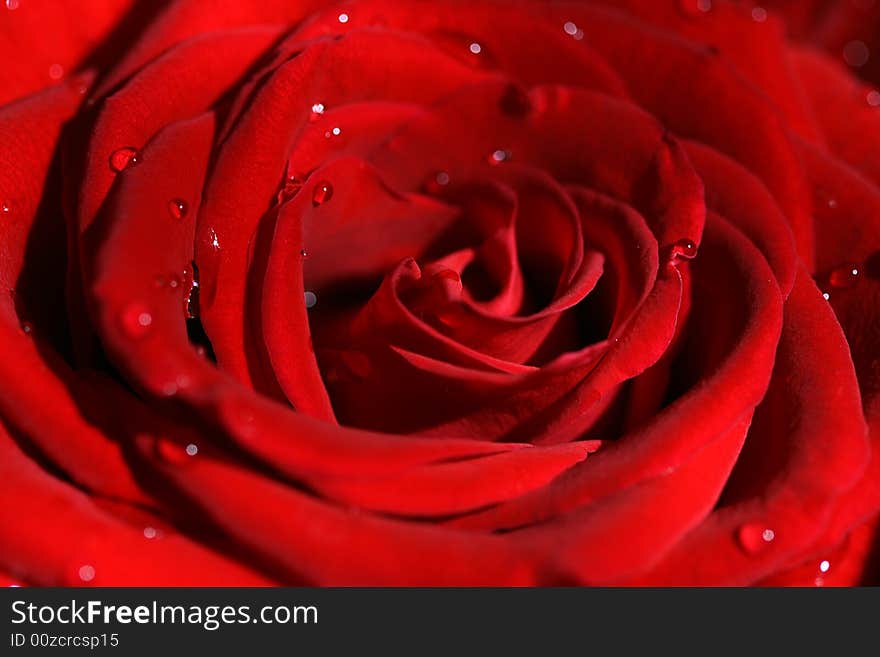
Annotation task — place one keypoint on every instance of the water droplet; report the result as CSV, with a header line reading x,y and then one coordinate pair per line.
x,y
322,193
832,203
336,131
819,581
844,276
317,111
343,18
150,532
515,102
824,566
86,572
572,30
759,14
56,71
683,249
291,188
826,296
695,7
177,208
856,54
12,5
754,538
192,449
122,158
436,182
215,241
310,298
873,98
475,48
5,207
27,328
499,156
136,321
303,254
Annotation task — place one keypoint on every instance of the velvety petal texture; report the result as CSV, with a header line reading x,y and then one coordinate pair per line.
x,y
521,292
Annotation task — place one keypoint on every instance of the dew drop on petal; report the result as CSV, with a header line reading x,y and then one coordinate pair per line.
x,y
498,156
856,53
753,537
5,207
475,48
844,276
177,208
150,532
86,572
322,193
570,28
136,321
12,5
192,449
317,111
824,565
436,182
310,298
56,71
826,296
832,203
27,328
873,98
343,18
122,158
303,254
336,131
695,7
515,102
759,14
215,241
683,249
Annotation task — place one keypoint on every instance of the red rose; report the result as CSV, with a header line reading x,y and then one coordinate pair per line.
x,y
439,293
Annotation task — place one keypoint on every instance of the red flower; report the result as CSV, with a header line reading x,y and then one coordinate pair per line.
x,y
439,293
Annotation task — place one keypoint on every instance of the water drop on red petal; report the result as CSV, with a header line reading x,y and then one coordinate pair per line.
x,y
844,276
682,249
693,8
754,537
317,112
5,207
322,193
122,158
499,156
27,328
136,321
177,208
86,572
436,183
